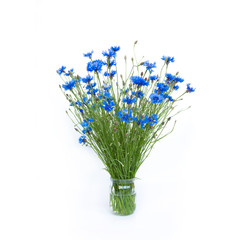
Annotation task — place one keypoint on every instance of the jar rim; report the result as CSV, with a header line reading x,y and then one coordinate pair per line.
x,y
122,180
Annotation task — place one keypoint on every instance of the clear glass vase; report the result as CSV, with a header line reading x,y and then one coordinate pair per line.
x,y
122,196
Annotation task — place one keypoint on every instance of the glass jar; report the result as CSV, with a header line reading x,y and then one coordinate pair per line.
x,y
122,196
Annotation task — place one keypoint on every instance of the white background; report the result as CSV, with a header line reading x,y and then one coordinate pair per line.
x,y
53,188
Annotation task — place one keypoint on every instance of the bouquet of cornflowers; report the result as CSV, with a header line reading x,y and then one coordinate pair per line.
x,y
121,117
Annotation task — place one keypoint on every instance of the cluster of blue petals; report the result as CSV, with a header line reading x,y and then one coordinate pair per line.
x,y
190,89
89,54
168,59
87,79
85,124
91,89
71,71
173,79
77,103
109,63
69,85
138,94
153,78
82,140
149,66
111,74
125,115
108,105
139,81
161,87
95,66
156,98
159,94
147,120
61,70
129,100
111,52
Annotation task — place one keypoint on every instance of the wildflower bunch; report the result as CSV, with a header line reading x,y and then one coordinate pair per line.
x,y
121,118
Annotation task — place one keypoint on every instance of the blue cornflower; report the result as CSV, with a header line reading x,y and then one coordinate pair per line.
x,y
153,78
138,94
107,95
85,123
168,59
149,66
169,78
86,130
107,88
156,98
178,79
92,91
116,48
168,96
77,103
153,119
176,87
87,79
149,120
89,54
95,65
69,85
112,74
162,87
190,89
109,54
173,79
90,119
139,81
138,121
61,70
82,139
124,116
92,85
128,100
108,106
109,63
86,100
71,71
124,92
